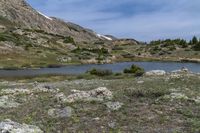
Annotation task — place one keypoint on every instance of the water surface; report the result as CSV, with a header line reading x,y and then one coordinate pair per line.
x,y
116,67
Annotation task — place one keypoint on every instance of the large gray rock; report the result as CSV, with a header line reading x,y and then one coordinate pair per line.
x,y
98,94
9,126
60,113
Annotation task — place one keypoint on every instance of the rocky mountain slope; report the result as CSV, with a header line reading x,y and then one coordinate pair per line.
x,y
29,38
24,16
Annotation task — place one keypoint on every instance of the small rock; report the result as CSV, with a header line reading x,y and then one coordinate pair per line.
x,y
76,91
60,113
197,100
114,105
9,126
140,82
61,98
96,119
112,125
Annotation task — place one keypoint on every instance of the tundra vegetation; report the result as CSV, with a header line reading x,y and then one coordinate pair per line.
x,y
149,103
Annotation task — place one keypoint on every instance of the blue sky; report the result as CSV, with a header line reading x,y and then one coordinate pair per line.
x,y
143,20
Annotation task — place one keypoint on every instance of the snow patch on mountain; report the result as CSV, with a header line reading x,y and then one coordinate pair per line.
x,y
45,15
104,37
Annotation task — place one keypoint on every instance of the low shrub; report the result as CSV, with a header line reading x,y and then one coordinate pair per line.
x,y
100,72
136,70
196,47
69,40
146,93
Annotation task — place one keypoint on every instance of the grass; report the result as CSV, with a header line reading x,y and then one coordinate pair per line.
x,y
147,93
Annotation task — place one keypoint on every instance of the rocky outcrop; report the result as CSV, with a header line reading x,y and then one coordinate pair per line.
x,y
60,113
98,94
9,126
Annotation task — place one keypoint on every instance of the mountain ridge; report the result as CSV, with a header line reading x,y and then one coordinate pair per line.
x,y
21,13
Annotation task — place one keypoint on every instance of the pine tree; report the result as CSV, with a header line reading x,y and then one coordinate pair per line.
x,y
194,40
197,46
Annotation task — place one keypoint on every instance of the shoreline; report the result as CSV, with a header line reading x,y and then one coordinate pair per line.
x,y
140,59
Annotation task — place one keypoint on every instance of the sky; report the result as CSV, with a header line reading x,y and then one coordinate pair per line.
x,y
144,20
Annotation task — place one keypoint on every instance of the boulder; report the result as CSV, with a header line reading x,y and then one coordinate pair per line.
x,y
98,94
61,98
114,105
9,126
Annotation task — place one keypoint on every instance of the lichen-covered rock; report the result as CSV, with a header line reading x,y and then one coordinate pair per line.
x,y
182,70
176,96
155,73
9,126
197,100
112,125
37,89
98,94
15,91
114,105
60,113
8,102
45,88
61,98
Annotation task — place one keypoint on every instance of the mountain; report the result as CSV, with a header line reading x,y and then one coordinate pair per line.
x,y
29,38
24,16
